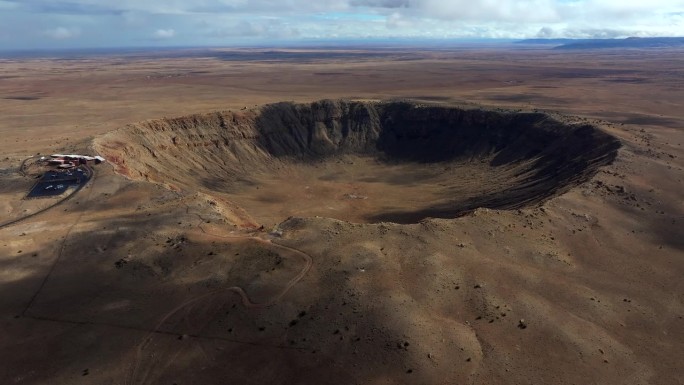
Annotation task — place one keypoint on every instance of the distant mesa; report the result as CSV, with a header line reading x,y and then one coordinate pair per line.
x,y
408,161
22,97
630,42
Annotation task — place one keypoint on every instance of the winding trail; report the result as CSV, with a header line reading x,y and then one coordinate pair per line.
x,y
246,301
22,167
62,246
308,262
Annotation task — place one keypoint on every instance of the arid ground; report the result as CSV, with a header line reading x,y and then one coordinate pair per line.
x,y
212,249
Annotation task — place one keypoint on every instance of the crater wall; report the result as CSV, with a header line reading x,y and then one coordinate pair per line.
x,y
461,158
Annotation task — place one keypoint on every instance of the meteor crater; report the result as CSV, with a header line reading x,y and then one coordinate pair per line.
x,y
363,162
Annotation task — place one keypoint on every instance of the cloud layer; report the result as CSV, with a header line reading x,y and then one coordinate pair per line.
x,y
164,33
61,33
97,23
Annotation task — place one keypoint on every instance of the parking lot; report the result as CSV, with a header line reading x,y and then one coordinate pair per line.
x,y
57,182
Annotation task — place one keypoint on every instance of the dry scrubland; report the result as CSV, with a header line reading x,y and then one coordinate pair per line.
x,y
374,264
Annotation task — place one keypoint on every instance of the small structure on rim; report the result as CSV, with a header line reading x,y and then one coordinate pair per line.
x,y
61,172
71,160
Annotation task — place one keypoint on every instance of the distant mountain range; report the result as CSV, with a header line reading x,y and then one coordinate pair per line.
x,y
630,42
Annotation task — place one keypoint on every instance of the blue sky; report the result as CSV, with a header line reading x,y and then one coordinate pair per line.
x,y
29,24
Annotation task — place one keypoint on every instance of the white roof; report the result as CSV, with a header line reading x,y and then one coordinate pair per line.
x,y
75,156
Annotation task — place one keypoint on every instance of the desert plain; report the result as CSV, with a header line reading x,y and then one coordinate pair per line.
x,y
203,251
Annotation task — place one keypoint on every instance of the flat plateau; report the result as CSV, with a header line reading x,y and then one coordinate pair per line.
x,y
161,273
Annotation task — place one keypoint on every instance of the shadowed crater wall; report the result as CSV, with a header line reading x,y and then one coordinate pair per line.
x,y
361,161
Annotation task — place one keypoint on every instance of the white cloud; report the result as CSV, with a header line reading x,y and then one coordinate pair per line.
x,y
8,5
62,33
164,33
271,28
127,22
396,21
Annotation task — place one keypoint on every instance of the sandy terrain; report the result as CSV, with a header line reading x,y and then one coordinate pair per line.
x,y
138,279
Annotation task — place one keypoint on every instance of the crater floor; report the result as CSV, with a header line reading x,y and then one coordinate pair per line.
x,y
364,189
